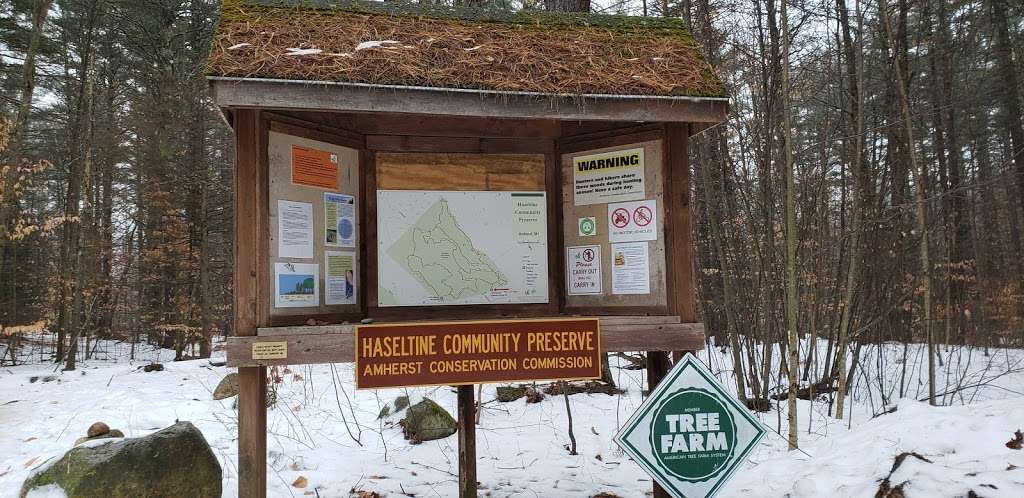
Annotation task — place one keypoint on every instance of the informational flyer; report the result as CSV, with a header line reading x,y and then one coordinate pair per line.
x,y
314,168
583,266
339,220
631,272
294,229
296,285
341,277
633,221
608,177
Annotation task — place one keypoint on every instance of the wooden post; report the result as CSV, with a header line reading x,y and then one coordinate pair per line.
x,y
657,367
252,381
467,443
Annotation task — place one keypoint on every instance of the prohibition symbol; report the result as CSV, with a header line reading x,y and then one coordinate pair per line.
x,y
620,217
642,216
588,255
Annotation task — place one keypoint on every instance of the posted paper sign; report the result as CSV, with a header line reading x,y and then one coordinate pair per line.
x,y
339,220
631,272
294,229
296,285
341,278
583,266
633,221
608,177
314,168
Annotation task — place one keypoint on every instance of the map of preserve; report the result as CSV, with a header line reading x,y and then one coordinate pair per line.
x,y
442,257
461,247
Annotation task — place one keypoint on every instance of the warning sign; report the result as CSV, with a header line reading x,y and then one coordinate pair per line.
x,y
583,266
633,221
314,168
608,177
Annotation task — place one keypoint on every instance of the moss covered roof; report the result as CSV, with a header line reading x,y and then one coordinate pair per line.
x,y
431,46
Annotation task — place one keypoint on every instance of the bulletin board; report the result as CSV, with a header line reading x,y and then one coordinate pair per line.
x,y
613,224
314,230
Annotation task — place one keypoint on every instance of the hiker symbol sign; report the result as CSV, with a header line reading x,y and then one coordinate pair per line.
x,y
690,435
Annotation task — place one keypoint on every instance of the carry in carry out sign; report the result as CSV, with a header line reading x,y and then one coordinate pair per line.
x,y
690,435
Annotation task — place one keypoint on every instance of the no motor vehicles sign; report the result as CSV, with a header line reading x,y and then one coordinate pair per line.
x,y
690,435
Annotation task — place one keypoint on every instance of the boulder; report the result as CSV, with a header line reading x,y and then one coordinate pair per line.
x,y
97,429
508,394
228,387
173,462
426,421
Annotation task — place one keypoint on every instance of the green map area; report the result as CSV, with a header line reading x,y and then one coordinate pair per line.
x,y
441,257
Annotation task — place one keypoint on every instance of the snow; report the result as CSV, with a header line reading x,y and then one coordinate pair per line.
x,y
303,51
375,44
520,447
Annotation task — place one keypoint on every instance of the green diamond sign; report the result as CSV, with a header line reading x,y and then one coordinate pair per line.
x,y
690,435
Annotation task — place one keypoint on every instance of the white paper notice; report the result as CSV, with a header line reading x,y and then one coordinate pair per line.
x,y
341,278
631,273
294,229
583,266
633,221
296,285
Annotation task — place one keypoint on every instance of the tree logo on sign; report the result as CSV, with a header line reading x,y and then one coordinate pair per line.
x,y
693,434
588,226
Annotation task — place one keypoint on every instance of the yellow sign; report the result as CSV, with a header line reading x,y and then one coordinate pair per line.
x,y
608,177
269,350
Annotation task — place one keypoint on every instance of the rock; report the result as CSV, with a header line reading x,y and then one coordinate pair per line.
x,y
115,433
97,429
228,387
153,367
426,421
175,461
401,403
507,394
271,397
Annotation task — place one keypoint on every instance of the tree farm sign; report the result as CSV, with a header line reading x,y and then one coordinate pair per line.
x,y
471,352
690,434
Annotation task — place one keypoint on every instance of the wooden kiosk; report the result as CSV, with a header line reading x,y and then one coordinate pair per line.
x,y
351,122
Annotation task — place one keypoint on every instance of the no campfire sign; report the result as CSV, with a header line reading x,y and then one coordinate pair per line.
x,y
690,435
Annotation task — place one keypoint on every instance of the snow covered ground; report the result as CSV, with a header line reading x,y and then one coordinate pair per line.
x,y
324,430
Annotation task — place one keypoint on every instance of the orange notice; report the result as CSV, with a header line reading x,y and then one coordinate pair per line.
x,y
314,168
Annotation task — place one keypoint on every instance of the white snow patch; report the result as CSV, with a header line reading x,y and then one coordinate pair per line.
x,y
303,51
376,44
48,491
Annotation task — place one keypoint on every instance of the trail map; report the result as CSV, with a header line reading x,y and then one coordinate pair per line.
x,y
451,248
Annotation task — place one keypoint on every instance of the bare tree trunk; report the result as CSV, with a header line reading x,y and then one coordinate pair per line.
x,y
920,204
855,75
793,364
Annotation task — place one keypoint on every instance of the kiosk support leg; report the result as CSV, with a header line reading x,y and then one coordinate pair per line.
x,y
252,432
467,443
657,367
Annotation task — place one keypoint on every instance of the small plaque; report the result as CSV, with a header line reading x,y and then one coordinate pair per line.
x,y
269,350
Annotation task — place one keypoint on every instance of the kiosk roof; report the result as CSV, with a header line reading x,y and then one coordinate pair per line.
x,y
403,45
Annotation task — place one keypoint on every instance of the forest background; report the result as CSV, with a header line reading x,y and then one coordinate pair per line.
x,y
900,120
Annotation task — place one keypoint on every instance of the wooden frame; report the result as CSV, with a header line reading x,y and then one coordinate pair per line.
x,y
657,329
